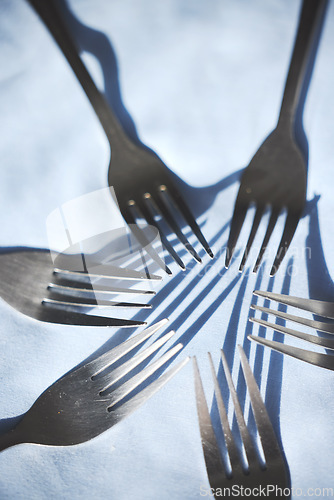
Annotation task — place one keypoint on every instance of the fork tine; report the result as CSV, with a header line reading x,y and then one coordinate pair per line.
x,y
291,224
212,457
110,357
314,358
63,316
66,286
121,392
111,378
149,218
251,454
141,238
264,426
236,225
229,441
327,343
109,271
318,325
163,208
182,206
137,400
58,300
255,226
319,307
271,224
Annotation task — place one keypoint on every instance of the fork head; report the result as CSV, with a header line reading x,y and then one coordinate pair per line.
x,y
145,190
234,472
95,396
57,292
275,179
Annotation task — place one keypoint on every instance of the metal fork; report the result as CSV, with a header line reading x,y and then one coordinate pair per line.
x,y
87,401
142,182
277,174
317,307
53,292
271,477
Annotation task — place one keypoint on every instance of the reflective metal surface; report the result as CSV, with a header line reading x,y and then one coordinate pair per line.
x,y
231,471
30,283
142,182
83,403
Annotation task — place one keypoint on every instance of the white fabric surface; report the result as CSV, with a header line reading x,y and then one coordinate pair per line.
x,y
202,82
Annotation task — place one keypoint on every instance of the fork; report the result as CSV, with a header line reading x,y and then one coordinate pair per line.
x,y
53,293
86,401
142,182
277,174
318,307
271,477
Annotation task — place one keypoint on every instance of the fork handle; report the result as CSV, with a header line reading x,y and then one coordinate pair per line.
x,y
303,56
10,438
50,15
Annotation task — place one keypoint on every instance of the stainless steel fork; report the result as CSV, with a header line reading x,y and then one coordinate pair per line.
x,y
270,479
277,174
88,400
142,182
56,292
317,307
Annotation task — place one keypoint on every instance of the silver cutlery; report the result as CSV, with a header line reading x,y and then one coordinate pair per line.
x,y
55,292
142,182
277,174
232,472
317,307
89,399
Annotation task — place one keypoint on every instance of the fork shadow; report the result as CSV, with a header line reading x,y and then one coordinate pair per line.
x,y
299,131
194,284
98,45
162,297
273,378
119,336
89,40
95,42
320,286
320,283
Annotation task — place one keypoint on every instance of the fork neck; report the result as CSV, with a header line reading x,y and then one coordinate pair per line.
x,y
52,18
10,438
302,60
